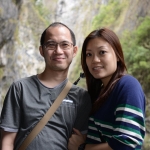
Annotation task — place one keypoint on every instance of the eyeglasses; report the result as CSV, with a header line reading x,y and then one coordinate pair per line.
x,y
53,45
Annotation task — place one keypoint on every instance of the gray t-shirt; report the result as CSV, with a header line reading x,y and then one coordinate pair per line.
x,y
26,103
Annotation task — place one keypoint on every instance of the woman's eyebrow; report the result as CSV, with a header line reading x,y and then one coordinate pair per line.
x,y
101,46
88,50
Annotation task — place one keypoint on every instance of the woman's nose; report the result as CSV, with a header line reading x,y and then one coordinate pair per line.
x,y
96,59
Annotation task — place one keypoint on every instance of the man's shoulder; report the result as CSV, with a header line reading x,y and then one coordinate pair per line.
x,y
80,93
79,89
25,79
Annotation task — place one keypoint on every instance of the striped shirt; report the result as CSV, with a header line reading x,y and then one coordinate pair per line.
x,y
120,120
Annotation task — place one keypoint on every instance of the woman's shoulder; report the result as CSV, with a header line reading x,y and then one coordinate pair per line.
x,y
128,77
128,80
129,90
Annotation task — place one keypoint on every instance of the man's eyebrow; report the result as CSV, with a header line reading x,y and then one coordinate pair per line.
x,y
50,41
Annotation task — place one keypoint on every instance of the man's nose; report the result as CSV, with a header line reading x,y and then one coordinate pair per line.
x,y
58,49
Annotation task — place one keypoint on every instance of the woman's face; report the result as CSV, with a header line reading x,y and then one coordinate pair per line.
x,y
101,59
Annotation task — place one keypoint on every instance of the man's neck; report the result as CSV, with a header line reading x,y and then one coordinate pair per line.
x,y
53,78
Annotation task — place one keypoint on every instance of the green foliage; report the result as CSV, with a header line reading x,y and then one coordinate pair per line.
x,y
146,145
0,11
1,73
143,31
75,73
16,36
14,1
108,14
136,47
43,11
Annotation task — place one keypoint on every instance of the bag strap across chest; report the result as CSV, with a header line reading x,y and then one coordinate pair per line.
x,y
40,125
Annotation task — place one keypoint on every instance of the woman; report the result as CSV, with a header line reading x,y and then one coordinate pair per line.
x,y
117,120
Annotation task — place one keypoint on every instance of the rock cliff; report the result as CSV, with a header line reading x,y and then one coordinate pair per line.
x,y
23,21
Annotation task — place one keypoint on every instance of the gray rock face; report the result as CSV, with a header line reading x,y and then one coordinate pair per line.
x,y
21,27
19,55
9,12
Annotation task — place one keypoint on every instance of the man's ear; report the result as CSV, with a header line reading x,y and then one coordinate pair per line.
x,y
75,49
41,51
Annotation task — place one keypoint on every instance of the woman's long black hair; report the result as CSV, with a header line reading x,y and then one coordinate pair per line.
x,y
94,85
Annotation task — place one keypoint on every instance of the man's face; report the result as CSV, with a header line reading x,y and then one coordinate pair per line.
x,y
58,59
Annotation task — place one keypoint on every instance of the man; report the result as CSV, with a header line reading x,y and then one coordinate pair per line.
x,y
29,99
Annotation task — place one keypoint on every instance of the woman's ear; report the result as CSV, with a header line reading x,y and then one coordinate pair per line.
x,y
118,59
41,51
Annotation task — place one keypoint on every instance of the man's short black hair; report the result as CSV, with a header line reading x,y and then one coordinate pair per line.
x,y
54,25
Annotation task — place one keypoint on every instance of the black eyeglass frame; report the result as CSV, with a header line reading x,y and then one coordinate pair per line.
x,y
55,44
